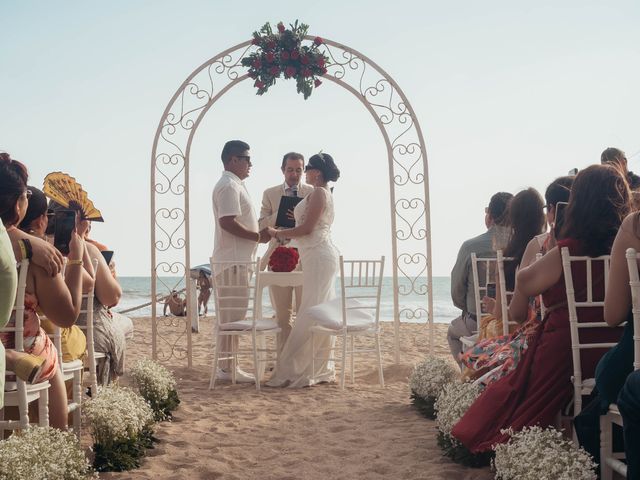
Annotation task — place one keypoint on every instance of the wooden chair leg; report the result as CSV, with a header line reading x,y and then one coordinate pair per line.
x,y
606,447
214,367
234,359
353,360
256,363
43,408
344,360
380,372
77,399
313,356
23,408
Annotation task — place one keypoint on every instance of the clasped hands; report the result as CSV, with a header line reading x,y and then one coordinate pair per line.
x,y
272,233
267,233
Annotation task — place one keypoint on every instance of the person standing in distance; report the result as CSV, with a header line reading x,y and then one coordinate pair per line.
x,y
282,297
236,238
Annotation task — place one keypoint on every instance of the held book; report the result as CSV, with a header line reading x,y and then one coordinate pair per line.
x,y
286,204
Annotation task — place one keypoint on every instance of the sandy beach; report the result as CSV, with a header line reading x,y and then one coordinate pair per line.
x,y
321,432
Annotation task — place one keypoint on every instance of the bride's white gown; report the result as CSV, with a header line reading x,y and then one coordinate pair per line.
x,y
319,260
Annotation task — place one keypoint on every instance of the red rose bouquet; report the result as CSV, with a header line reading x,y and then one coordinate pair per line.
x,y
282,53
284,259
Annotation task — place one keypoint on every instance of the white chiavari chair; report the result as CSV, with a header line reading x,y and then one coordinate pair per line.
x,y
235,295
18,393
358,311
586,335
611,461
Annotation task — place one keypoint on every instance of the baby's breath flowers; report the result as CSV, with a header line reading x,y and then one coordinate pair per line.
x,y
121,425
451,405
427,380
43,453
157,386
535,453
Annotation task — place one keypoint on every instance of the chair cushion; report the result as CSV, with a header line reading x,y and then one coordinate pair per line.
x,y
329,315
72,365
246,324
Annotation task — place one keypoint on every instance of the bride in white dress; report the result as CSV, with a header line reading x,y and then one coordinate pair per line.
x,y
319,258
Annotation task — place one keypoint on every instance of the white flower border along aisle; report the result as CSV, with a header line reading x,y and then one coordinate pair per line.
x,y
451,405
43,453
535,453
426,382
157,385
121,424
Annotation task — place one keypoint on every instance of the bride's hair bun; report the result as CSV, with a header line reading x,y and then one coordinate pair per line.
x,y
324,162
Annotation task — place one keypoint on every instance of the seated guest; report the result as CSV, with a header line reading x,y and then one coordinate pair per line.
x,y
557,191
177,306
617,363
505,351
108,338
35,221
526,216
462,291
124,323
59,299
629,405
536,390
617,158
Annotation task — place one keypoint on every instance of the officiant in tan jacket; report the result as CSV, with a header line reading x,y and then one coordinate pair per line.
x,y
282,297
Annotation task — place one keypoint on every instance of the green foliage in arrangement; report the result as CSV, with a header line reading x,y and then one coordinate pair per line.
x,y
427,380
460,454
453,402
157,385
121,424
43,453
123,454
282,52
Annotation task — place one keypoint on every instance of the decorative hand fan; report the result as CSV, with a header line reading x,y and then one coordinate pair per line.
x,y
64,189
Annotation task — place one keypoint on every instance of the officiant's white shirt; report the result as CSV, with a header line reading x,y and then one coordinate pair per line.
x,y
231,198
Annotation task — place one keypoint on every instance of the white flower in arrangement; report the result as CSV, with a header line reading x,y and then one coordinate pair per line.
x,y
453,403
153,380
537,453
430,376
117,413
43,453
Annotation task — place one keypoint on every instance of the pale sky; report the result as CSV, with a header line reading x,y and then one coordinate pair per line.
x,y
509,95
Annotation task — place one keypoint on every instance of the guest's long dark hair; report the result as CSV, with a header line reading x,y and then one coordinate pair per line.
x,y
13,183
599,201
526,217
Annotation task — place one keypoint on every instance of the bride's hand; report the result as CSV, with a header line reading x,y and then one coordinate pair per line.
x,y
272,232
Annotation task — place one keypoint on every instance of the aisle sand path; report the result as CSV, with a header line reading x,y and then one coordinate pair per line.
x,y
233,432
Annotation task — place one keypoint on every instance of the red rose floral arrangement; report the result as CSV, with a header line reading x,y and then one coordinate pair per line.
x,y
284,259
282,53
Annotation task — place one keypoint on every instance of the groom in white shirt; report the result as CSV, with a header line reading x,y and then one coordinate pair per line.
x,y
236,236
282,297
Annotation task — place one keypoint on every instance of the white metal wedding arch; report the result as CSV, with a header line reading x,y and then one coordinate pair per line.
x,y
170,195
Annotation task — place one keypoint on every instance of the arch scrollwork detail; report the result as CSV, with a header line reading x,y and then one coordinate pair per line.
x,y
408,178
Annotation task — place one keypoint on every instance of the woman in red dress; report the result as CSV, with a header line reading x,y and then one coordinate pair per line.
x,y
537,389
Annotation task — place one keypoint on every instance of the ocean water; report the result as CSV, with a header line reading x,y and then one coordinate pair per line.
x,y
137,291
